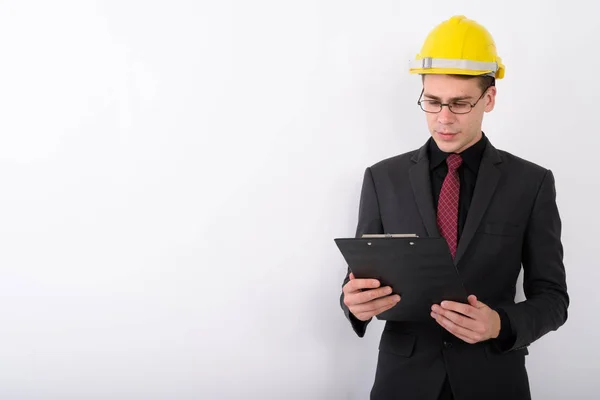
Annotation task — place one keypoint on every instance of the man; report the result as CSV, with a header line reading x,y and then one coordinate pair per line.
x,y
497,213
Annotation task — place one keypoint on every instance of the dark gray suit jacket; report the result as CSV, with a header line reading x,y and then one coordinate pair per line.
x,y
513,221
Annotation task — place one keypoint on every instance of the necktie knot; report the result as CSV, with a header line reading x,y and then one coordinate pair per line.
x,y
454,161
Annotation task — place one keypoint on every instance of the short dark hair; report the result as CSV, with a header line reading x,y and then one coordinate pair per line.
x,y
484,81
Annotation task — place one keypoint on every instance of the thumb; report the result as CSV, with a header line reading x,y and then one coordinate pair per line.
x,y
474,302
351,276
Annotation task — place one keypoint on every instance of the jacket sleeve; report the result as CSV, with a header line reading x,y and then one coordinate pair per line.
x,y
369,221
544,278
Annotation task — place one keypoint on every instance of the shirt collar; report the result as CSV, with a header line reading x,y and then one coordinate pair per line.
x,y
471,156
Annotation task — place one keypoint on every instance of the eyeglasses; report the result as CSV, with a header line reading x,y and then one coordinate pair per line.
x,y
456,107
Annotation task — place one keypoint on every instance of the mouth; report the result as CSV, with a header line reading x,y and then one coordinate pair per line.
x,y
446,135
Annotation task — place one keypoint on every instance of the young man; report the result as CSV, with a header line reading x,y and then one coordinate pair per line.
x,y
497,213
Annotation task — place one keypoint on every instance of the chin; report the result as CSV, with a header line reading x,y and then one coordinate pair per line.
x,y
450,148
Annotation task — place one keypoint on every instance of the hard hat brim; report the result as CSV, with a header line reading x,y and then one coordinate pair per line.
x,y
440,66
449,71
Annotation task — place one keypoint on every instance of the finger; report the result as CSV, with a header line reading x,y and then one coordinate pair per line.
x,y
476,303
472,300
374,305
459,319
458,331
357,284
464,309
369,295
384,308
370,314
371,308
351,276
365,296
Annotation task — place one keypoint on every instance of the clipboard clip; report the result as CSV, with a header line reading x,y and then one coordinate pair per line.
x,y
388,235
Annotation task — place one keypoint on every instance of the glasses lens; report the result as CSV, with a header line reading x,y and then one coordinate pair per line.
x,y
460,108
431,106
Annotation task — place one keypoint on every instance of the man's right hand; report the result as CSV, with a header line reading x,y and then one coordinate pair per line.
x,y
374,300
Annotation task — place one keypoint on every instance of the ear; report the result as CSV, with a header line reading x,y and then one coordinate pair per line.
x,y
490,99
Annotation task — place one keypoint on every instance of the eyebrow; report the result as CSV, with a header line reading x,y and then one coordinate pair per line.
x,y
458,98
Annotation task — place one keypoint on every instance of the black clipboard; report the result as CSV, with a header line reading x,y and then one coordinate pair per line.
x,y
420,270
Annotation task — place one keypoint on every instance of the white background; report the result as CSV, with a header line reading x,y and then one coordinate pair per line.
x,y
173,174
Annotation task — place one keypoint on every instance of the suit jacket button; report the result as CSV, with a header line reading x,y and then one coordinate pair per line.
x,y
447,344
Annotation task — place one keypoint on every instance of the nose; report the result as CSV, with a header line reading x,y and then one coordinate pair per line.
x,y
446,116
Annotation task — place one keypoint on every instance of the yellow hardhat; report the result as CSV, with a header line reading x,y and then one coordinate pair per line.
x,y
458,46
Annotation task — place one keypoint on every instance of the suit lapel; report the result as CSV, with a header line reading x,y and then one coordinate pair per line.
x,y
487,180
421,186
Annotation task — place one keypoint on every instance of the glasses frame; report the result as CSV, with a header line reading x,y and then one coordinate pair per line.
x,y
449,105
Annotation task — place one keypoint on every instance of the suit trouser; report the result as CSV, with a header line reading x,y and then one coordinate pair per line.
x,y
446,393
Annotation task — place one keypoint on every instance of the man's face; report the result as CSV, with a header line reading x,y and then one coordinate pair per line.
x,y
454,133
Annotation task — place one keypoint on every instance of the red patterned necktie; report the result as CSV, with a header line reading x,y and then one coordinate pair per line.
x,y
447,213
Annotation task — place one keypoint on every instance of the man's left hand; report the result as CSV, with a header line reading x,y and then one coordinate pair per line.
x,y
473,322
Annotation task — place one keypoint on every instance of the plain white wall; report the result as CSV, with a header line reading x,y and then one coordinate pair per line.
x,y
173,174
